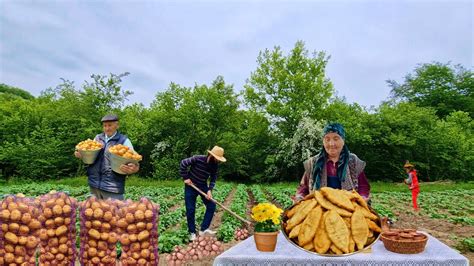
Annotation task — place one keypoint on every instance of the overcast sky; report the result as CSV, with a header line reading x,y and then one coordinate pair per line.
x,y
190,42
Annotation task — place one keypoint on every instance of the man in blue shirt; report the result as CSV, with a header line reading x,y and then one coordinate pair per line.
x,y
103,182
197,170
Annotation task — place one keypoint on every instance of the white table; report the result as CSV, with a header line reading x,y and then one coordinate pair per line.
x,y
245,253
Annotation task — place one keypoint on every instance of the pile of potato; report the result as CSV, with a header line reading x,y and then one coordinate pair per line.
x,y
89,145
19,230
137,228
58,233
126,152
200,248
98,234
241,234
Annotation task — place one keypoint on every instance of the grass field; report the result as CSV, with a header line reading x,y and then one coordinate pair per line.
x,y
447,208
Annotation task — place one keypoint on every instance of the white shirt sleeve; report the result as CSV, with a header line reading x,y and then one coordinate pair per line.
x,y
128,143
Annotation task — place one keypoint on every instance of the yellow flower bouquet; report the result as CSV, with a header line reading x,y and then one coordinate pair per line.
x,y
267,217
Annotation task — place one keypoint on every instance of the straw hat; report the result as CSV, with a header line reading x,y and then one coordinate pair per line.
x,y
408,165
218,153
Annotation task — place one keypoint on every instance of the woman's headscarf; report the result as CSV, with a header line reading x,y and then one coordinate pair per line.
x,y
343,157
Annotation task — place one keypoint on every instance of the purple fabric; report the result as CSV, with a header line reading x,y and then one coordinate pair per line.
x,y
199,170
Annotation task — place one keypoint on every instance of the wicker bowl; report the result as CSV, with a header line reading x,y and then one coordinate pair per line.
x,y
395,243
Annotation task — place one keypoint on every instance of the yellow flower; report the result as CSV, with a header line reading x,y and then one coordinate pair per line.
x,y
266,211
276,221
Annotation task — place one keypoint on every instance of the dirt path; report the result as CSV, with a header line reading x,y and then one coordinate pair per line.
x,y
216,222
449,233
217,219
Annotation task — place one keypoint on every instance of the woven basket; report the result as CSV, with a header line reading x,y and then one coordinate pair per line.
x,y
408,246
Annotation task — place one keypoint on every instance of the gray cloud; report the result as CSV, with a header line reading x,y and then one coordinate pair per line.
x,y
193,42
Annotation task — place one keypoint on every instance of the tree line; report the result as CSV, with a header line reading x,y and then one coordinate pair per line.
x,y
268,128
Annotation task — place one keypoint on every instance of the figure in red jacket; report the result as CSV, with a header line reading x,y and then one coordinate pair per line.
x,y
412,182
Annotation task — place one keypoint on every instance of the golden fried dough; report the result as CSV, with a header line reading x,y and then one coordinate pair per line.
x,y
359,228
321,240
310,225
367,213
336,250
337,231
295,231
337,197
326,204
301,214
373,226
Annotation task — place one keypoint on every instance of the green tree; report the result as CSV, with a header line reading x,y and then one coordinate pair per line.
x,y
289,87
5,89
438,85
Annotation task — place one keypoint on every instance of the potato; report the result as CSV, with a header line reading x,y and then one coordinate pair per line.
x,y
60,257
98,213
96,224
60,202
26,218
105,227
131,228
143,235
9,248
145,253
129,218
24,230
10,237
9,257
139,215
104,236
63,248
148,214
13,227
133,237
67,209
15,215
122,223
112,238
89,213
61,230
53,242
108,216
5,214
124,239
135,247
34,224
59,221
94,234
22,207
145,245
22,240
57,210
49,223
20,251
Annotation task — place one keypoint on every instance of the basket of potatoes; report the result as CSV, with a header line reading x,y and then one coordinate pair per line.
x,y
120,154
331,222
98,236
58,232
89,149
19,230
137,229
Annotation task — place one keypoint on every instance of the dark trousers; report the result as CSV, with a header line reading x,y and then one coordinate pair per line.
x,y
190,195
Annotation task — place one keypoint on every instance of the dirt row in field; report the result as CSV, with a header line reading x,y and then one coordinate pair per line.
x,y
216,222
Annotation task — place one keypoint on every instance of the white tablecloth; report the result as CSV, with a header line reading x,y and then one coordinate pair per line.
x,y
245,253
